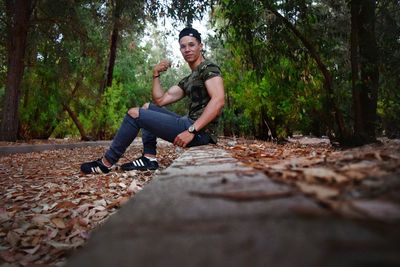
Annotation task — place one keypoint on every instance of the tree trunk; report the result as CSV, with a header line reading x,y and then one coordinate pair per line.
x,y
71,113
355,78
108,75
78,124
365,74
18,17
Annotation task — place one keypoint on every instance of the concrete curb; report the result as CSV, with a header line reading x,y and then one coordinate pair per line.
x,y
207,209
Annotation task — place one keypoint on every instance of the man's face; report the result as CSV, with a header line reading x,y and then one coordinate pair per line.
x,y
190,48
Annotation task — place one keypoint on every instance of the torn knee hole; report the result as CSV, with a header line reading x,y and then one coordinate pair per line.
x,y
133,112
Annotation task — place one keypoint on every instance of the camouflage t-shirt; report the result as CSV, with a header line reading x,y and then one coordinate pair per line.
x,y
196,91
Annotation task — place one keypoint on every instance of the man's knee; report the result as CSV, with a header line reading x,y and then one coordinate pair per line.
x,y
146,105
133,112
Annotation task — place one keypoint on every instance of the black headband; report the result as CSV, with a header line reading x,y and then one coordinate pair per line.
x,y
190,32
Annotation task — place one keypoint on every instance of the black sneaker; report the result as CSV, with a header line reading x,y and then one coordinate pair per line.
x,y
96,166
140,164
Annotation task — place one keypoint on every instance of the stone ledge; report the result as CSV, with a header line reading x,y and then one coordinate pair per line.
x,y
207,209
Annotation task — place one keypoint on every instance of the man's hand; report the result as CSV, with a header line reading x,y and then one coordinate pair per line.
x,y
183,139
161,67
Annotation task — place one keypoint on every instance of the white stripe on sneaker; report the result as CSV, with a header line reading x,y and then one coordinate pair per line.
x,y
141,162
97,169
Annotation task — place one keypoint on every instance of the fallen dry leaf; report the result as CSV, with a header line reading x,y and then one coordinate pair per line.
x,y
47,207
32,250
60,245
59,223
320,191
314,173
13,238
66,205
133,187
335,177
40,220
119,202
99,215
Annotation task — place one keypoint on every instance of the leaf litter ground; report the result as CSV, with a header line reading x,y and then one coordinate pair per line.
x,y
48,208
358,183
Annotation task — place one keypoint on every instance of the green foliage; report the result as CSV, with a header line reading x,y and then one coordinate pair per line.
x,y
286,92
236,123
4,23
65,129
109,114
388,28
132,73
389,108
271,81
100,115
63,62
183,11
40,110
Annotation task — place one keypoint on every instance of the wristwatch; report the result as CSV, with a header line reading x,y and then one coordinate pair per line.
x,y
192,130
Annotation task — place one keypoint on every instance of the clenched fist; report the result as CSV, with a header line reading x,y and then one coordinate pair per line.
x,y
161,67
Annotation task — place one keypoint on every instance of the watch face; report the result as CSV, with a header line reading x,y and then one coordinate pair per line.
x,y
191,129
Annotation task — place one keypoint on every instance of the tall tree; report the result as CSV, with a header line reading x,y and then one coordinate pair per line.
x,y
364,65
116,9
125,15
18,13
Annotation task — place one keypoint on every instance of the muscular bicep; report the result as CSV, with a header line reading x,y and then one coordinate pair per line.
x,y
173,94
215,88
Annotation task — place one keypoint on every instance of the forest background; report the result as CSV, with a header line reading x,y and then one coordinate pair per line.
x,y
323,67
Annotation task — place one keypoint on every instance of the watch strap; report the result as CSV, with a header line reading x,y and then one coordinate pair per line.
x,y
192,129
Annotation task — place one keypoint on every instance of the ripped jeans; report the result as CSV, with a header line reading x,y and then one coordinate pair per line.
x,y
154,122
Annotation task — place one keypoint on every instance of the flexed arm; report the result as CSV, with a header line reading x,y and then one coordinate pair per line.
x,y
160,97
